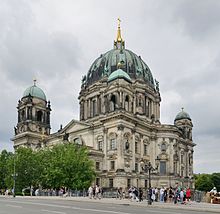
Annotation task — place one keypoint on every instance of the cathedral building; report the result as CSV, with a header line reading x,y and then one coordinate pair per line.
x,y
119,123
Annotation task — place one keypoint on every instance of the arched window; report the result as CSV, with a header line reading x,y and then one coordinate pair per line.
x,y
140,101
29,113
23,115
127,103
163,147
77,141
94,108
113,103
113,145
39,116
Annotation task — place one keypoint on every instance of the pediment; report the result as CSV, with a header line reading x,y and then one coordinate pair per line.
x,y
74,126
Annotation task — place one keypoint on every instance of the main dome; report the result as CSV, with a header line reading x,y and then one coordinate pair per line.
x,y
109,62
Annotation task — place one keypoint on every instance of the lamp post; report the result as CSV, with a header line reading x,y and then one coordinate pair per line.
x,y
14,175
148,168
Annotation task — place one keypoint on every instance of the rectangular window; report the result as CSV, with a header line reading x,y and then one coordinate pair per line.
x,y
136,147
111,184
94,107
112,165
129,183
163,167
145,183
100,146
97,166
136,167
145,149
98,181
175,168
112,144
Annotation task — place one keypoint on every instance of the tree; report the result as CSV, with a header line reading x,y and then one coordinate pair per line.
x,y
204,182
68,165
216,180
26,168
5,172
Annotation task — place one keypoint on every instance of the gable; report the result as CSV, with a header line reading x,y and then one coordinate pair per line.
x,y
74,126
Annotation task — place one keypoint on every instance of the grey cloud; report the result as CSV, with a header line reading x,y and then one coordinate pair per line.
x,y
199,18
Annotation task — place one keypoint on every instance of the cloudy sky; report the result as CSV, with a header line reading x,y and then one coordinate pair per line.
x,y
57,41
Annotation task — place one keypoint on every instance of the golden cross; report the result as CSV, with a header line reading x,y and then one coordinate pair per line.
x,y
119,21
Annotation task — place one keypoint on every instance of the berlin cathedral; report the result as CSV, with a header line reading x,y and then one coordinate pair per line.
x,y
119,123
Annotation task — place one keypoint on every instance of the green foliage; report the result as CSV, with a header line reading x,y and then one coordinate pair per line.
x,y
216,180
26,168
5,169
204,182
68,166
64,165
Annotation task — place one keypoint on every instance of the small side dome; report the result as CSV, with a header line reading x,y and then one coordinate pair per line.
x,y
182,115
34,91
119,73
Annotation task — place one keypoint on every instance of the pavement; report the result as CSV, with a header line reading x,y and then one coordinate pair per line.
x,y
195,206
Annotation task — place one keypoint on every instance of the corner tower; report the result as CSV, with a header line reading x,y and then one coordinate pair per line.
x,y
33,125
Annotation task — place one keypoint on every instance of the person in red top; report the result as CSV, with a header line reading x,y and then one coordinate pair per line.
x,y
188,194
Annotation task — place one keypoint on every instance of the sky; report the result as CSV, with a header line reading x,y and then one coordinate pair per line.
x,y
57,41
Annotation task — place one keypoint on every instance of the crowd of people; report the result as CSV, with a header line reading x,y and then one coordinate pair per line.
x,y
95,192
165,195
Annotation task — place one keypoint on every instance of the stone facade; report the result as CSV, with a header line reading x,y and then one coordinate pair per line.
x,y
119,123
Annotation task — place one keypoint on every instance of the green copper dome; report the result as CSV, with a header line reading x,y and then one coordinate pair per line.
x,y
129,62
35,91
182,115
119,74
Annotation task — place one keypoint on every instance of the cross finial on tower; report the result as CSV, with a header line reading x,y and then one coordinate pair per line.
x,y
119,22
119,43
119,39
35,80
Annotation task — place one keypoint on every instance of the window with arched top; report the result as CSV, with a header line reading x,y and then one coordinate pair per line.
x,y
100,143
77,141
127,103
163,147
140,101
94,109
112,141
23,115
39,116
113,103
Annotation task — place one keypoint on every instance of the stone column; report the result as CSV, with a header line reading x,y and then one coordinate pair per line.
x,y
133,131
120,147
134,104
85,110
105,149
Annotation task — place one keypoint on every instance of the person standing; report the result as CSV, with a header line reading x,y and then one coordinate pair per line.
x,y
90,192
188,194
162,194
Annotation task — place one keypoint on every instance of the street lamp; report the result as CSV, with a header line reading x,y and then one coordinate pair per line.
x,y
148,168
14,178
